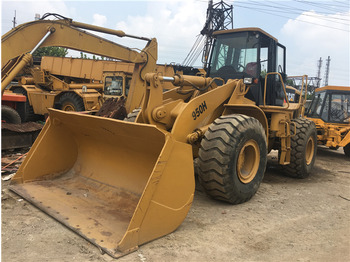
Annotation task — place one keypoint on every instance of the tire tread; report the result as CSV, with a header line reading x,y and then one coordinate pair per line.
x,y
215,156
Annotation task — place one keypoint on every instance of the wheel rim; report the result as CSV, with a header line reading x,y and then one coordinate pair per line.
x,y
309,154
68,107
248,161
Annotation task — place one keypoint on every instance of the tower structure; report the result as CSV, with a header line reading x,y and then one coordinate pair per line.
x,y
326,75
14,20
219,17
318,78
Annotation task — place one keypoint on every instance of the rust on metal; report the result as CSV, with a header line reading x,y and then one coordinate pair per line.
x,y
113,108
19,135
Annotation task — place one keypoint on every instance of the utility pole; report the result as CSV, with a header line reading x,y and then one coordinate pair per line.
x,y
318,79
14,20
327,71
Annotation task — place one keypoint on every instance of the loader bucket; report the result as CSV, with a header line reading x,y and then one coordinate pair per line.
x,y
117,184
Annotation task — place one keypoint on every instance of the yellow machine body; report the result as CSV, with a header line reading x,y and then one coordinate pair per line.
x,y
89,69
332,135
121,184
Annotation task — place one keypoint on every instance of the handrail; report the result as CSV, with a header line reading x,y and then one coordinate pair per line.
x,y
304,80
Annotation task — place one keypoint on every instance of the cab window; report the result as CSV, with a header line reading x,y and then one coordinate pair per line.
x,y
339,108
113,86
316,105
235,56
127,85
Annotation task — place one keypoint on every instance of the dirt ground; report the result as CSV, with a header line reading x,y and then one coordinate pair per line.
x,y
287,220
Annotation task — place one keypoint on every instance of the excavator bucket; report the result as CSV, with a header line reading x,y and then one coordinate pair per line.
x,y
117,184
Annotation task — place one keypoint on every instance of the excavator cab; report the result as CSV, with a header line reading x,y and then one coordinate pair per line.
x,y
249,54
116,84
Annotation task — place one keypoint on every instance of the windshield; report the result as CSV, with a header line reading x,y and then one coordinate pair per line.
x,y
330,107
339,108
316,104
113,85
235,56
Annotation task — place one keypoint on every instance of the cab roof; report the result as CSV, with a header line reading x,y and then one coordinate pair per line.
x,y
246,29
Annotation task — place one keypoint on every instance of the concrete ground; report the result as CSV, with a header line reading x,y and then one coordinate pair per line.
x,y
287,220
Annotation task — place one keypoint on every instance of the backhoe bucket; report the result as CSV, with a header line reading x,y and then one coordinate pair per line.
x,y
117,184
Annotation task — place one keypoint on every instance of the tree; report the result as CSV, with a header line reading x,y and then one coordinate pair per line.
x,y
94,57
51,51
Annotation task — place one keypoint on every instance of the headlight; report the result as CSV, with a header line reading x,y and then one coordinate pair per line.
x,y
248,81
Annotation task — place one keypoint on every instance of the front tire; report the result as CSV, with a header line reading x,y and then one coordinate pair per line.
x,y
71,102
29,111
303,148
232,158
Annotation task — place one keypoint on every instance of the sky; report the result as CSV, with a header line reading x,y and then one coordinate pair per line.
x,y
310,30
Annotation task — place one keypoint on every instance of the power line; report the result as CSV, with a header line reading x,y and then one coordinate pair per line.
x,y
276,13
277,6
279,10
345,4
190,56
295,10
321,5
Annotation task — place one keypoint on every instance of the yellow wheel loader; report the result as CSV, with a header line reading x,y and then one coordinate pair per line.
x,y
69,84
74,84
120,184
330,111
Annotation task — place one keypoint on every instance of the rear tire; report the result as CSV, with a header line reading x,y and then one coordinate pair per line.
x,y
71,102
347,150
303,148
232,158
29,111
10,115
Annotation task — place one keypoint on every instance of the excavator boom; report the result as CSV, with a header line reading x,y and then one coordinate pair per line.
x,y
70,34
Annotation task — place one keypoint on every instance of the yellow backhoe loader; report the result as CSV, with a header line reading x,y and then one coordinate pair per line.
x,y
120,184
330,110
